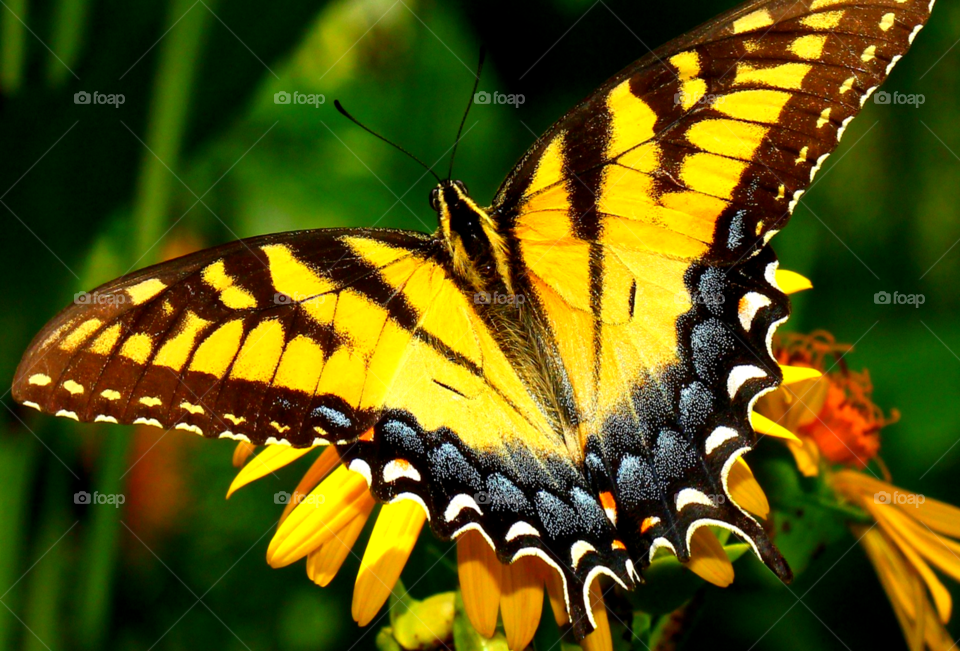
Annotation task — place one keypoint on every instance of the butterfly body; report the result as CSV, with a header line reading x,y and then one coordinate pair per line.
x,y
570,372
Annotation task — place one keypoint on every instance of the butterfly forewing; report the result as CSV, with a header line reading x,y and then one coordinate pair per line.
x,y
232,340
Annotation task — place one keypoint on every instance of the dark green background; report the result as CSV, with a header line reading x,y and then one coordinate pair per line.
x,y
87,199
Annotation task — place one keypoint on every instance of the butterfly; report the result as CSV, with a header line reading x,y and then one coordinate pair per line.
x,y
570,371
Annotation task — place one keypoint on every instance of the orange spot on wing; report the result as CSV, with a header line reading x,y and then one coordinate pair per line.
x,y
607,501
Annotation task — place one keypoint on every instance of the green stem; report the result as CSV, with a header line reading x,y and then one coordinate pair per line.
x,y
17,466
42,614
67,37
12,45
180,52
176,70
101,547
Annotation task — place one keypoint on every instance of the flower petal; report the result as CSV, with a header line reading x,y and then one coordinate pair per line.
x,y
328,508
324,563
601,639
942,552
790,282
521,601
272,458
941,517
905,591
394,535
941,597
326,462
794,374
892,571
745,491
242,452
708,560
806,454
558,604
480,572
764,425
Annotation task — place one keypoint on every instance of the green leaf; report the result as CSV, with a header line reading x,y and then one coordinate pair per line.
x,y
669,585
466,637
806,513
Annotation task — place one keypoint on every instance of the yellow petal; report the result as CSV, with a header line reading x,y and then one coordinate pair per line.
x,y
558,604
326,462
242,452
708,560
391,542
915,635
905,591
272,458
790,282
794,374
892,571
941,517
764,425
806,454
521,601
941,597
942,552
935,634
745,491
479,571
328,508
601,639
324,563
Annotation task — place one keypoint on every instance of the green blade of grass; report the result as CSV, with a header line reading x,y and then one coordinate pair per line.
x,y
13,45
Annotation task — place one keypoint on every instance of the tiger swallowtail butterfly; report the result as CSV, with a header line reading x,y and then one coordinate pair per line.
x,y
569,371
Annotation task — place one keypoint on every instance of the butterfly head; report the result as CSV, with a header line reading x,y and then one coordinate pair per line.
x,y
468,232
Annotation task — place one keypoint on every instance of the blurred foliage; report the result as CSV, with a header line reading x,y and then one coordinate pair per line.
x,y
200,154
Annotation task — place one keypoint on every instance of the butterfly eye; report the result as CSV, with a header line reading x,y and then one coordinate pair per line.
x,y
435,199
462,186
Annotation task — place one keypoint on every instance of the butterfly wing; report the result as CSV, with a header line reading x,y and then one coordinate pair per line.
x,y
641,220
361,339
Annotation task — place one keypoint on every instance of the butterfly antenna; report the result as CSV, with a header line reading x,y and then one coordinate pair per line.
x,y
473,94
343,112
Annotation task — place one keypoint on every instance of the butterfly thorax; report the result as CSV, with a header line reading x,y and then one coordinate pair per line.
x,y
479,256
477,251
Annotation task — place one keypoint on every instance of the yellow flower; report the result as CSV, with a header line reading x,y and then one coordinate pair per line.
x,y
911,534
833,416
327,511
838,428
